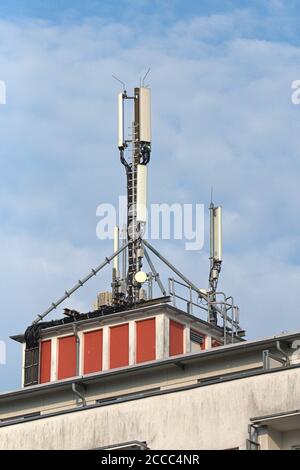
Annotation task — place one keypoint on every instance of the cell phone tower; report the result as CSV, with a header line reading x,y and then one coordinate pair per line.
x,y
139,145
129,282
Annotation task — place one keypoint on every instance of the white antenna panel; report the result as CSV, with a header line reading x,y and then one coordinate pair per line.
x,y
120,121
145,114
141,202
217,234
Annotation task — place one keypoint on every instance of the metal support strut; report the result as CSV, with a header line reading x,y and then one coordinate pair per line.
x,y
155,273
179,274
80,283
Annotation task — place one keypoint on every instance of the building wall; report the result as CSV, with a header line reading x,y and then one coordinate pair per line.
x,y
207,417
131,380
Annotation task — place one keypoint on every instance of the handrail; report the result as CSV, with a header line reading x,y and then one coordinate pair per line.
x,y
226,308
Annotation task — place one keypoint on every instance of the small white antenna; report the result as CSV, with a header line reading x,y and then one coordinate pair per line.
x,y
120,81
143,81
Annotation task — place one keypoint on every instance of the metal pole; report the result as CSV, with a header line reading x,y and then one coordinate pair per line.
x,y
150,288
124,261
173,290
116,247
225,323
179,274
80,283
211,212
156,275
191,301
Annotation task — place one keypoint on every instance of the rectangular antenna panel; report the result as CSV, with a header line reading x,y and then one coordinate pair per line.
x,y
217,234
145,114
141,210
120,120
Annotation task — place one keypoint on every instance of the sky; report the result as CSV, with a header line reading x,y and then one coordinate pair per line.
x,y
221,75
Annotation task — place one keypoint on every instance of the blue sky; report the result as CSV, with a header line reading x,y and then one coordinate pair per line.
x,y
221,75
122,10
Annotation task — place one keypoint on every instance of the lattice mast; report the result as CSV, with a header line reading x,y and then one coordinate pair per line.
x,y
136,171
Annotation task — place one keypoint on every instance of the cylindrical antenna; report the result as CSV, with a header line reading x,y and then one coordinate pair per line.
x,y
217,235
141,203
215,258
211,213
121,138
145,114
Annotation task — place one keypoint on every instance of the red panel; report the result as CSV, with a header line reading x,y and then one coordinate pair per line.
x,y
66,357
176,338
215,343
93,342
119,346
145,340
45,361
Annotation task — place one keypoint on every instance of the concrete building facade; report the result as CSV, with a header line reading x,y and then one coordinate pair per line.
x,y
244,394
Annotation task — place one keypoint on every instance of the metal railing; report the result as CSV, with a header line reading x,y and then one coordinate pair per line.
x,y
190,301
225,308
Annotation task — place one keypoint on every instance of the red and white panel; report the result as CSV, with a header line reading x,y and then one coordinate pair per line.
x,y
119,346
92,354
176,338
45,361
145,340
66,357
